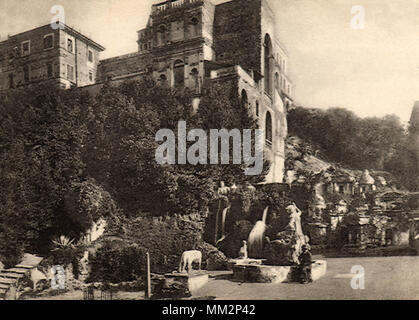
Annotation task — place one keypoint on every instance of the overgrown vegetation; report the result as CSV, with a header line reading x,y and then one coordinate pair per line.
x,y
68,159
359,143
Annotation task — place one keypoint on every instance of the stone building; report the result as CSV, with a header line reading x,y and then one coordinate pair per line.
x,y
61,56
194,44
366,183
186,43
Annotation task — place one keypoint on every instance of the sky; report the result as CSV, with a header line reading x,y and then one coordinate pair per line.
x,y
372,71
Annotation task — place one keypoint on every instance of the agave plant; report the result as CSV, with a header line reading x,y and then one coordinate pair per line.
x,y
65,251
63,242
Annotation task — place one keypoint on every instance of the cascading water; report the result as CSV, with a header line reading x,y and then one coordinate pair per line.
x,y
255,241
223,221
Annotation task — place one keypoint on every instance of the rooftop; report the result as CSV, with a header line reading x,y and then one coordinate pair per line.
x,y
65,28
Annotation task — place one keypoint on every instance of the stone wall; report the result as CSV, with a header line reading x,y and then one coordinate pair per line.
x,y
237,33
126,65
13,61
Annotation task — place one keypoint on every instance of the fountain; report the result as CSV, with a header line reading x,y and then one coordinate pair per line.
x,y
223,222
256,237
277,260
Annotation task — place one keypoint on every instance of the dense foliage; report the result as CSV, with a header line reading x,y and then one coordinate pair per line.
x,y
358,143
68,158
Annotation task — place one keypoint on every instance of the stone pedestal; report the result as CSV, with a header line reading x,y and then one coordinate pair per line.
x,y
188,282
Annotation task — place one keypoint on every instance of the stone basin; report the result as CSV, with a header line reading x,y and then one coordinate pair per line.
x,y
274,274
248,261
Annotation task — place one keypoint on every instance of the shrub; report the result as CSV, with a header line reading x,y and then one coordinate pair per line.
x,y
117,264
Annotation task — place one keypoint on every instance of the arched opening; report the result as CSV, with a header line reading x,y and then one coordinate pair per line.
x,y
267,62
179,73
277,81
244,99
195,79
268,128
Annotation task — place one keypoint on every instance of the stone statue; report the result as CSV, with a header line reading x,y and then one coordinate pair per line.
x,y
287,245
243,251
189,257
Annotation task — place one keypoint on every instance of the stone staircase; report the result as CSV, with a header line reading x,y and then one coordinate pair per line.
x,y
9,278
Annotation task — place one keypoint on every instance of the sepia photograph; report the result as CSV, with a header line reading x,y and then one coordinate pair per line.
x,y
195,151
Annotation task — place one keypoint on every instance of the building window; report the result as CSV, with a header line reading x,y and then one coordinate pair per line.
x,y
194,27
70,45
70,72
277,81
90,55
161,36
268,128
26,48
179,73
91,76
244,99
195,78
26,75
257,108
48,41
267,63
49,70
341,189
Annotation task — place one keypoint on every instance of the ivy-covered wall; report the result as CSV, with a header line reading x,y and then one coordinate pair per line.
x,y
237,33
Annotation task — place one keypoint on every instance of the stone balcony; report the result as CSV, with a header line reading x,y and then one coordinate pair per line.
x,y
173,4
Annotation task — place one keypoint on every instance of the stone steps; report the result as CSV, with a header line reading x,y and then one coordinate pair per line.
x,y
17,270
22,266
11,275
7,281
4,286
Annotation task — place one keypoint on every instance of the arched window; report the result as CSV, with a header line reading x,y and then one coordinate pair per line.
x,y
179,73
268,128
267,70
277,86
195,78
244,98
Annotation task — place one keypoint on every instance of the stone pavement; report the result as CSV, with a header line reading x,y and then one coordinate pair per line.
x,y
385,278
